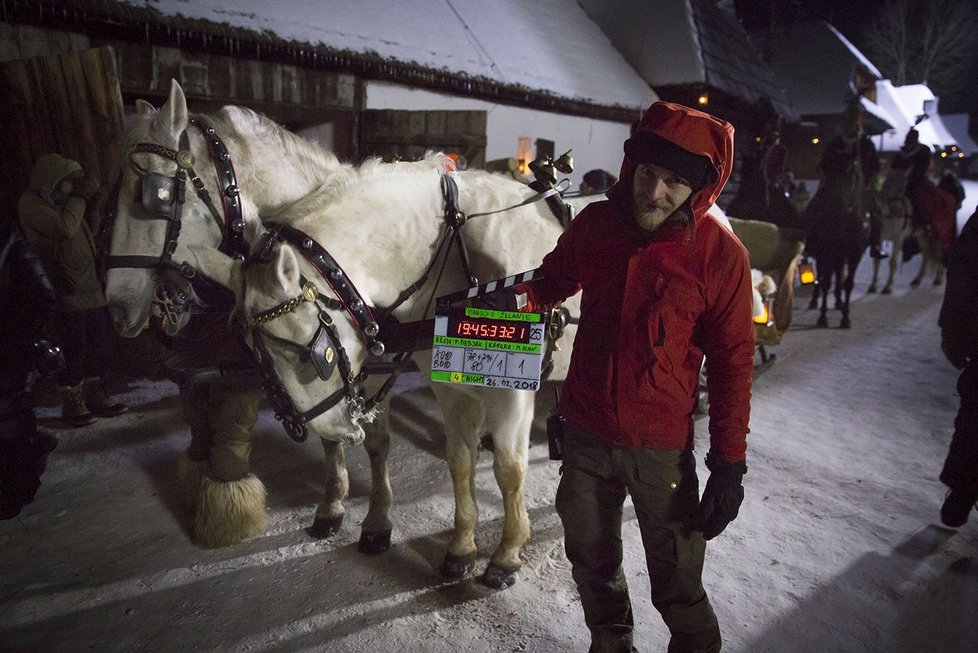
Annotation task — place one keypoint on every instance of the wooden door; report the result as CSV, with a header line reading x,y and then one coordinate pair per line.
x,y
406,135
70,104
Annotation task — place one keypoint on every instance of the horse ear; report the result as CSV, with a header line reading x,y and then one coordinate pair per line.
x,y
287,268
144,108
174,112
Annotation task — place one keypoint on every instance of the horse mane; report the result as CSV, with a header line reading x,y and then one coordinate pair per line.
x,y
373,170
253,126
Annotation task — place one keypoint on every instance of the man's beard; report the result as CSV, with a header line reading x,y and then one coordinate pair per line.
x,y
649,220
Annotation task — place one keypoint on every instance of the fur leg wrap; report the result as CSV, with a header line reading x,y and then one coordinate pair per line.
x,y
229,512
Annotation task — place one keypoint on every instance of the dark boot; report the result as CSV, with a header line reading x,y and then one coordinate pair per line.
x,y
74,411
958,505
99,401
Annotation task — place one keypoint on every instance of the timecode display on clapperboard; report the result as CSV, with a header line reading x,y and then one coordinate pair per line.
x,y
495,349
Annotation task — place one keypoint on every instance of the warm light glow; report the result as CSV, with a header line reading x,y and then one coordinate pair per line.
x,y
763,317
960,155
806,274
757,139
815,140
703,99
524,154
954,148
943,155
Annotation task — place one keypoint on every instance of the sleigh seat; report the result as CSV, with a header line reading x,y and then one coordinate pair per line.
x,y
775,251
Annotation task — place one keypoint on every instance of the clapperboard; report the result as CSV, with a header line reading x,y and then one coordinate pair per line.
x,y
493,349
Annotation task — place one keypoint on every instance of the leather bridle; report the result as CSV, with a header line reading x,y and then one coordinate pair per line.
x,y
163,197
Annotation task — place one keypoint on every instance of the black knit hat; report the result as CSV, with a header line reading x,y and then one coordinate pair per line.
x,y
646,147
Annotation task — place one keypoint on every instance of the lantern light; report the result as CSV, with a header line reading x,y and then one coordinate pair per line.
x,y
815,140
764,319
703,99
943,155
806,273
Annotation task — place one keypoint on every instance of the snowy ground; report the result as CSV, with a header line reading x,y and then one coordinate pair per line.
x,y
838,547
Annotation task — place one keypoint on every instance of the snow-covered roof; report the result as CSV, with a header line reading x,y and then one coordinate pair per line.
x,y
815,65
879,119
906,104
689,43
544,45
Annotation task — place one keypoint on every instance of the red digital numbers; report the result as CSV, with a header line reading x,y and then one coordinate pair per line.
x,y
489,331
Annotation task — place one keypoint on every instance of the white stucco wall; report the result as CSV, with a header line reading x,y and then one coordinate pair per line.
x,y
595,143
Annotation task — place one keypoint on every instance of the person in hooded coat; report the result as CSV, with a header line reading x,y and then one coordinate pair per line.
x,y
959,342
664,284
52,217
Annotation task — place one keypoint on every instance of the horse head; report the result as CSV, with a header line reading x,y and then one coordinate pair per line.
x,y
196,182
158,216
306,346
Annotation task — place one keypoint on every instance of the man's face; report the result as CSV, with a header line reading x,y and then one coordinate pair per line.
x,y
656,193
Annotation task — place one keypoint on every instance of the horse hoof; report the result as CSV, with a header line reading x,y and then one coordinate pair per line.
x,y
937,282
456,567
821,322
886,291
323,528
845,324
374,543
915,282
871,289
498,578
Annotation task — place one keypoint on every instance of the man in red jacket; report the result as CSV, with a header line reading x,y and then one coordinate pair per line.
x,y
664,283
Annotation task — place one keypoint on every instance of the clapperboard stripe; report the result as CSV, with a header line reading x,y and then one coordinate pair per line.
x,y
492,286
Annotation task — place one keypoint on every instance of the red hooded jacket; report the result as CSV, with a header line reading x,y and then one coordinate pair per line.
x,y
654,305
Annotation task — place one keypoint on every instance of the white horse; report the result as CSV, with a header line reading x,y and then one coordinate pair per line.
x,y
382,223
272,167
252,150
895,212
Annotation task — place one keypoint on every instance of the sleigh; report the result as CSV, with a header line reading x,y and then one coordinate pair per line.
x,y
775,251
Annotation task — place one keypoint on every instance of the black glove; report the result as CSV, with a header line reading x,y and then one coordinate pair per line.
x,y
722,496
507,299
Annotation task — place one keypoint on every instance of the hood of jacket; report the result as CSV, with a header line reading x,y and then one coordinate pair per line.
x,y
694,131
48,171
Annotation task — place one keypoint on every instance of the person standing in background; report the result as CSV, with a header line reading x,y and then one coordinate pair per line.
x,y
52,217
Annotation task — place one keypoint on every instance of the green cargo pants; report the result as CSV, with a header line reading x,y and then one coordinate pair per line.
x,y
596,477
221,417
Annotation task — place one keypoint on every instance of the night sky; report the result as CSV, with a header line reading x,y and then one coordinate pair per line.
x,y
850,17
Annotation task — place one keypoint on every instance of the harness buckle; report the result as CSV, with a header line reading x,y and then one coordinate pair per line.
x,y
171,246
187,271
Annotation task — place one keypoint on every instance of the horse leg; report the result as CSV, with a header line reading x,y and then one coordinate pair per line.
x,y
847,287
876,270
464,417
894,266
375,533
330,513
825,279
231,505
939,277
921,240
510,416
